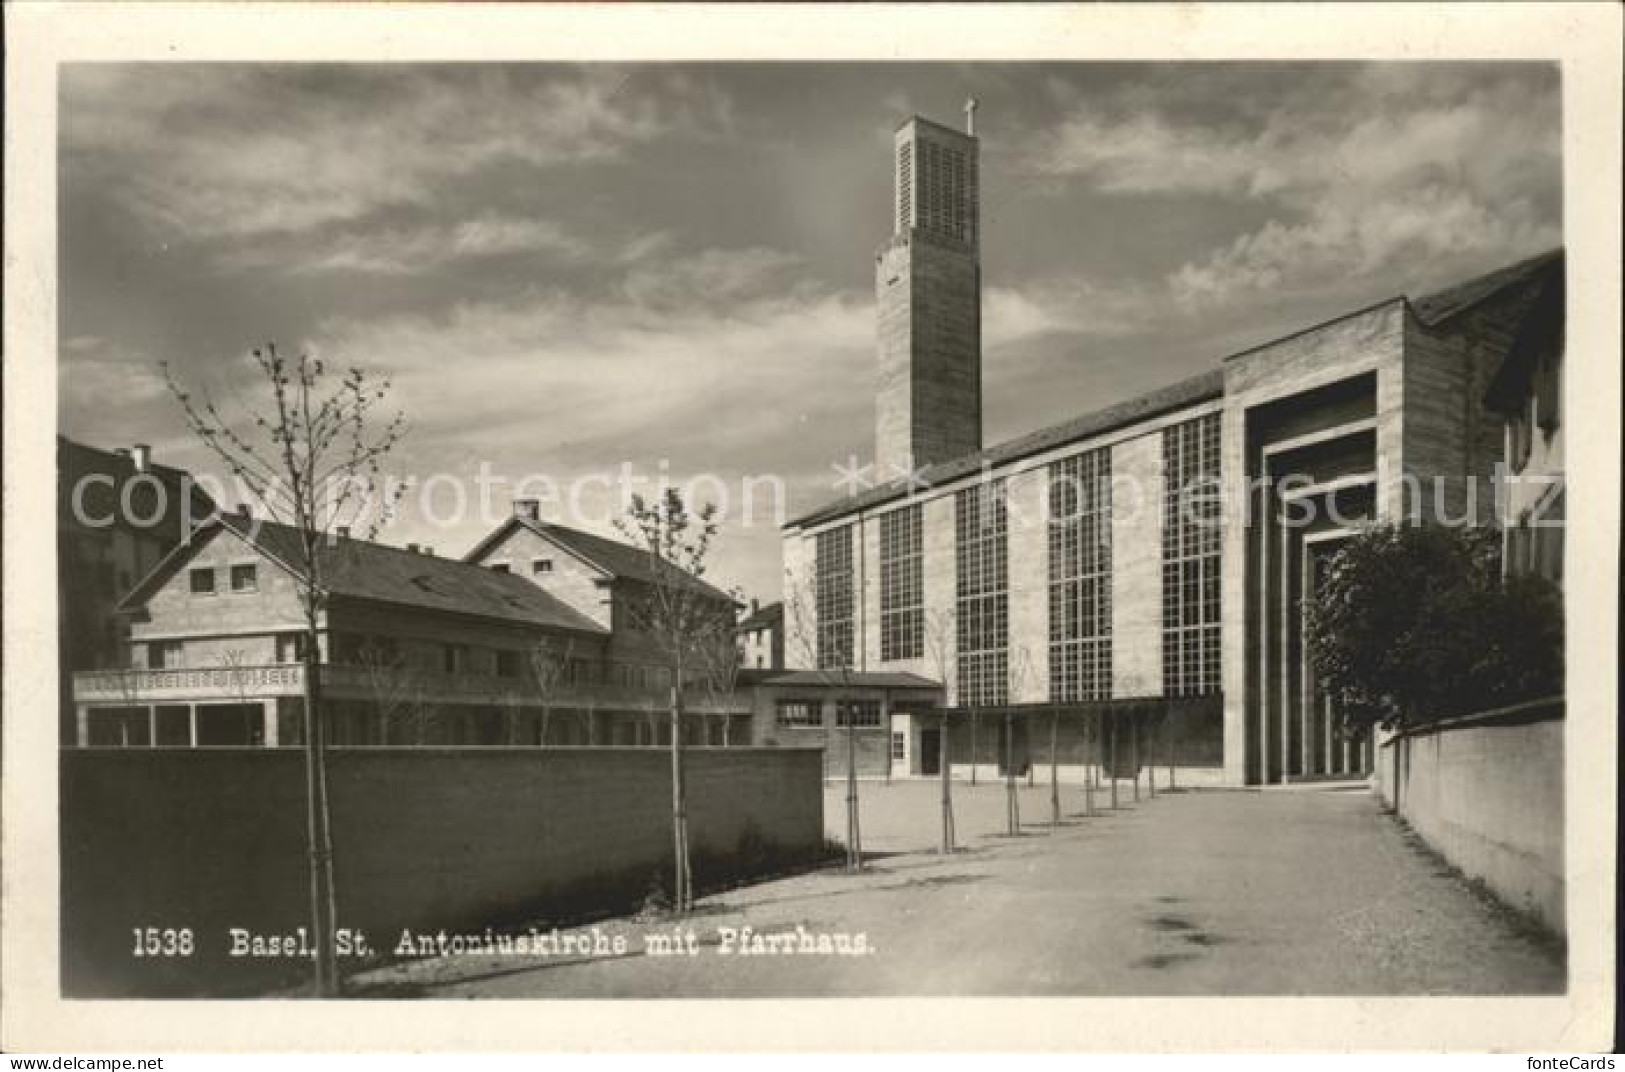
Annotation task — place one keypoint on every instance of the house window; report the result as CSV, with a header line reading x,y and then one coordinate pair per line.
x,y
1080,566
862,714
1190,558
981,579
833,597
500,567
456,659
290,647
899,747
799,714
507,664
541,566
244,578
902,589
163,655
203,581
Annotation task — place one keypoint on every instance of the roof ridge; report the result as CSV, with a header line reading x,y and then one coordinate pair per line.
x,y
1506,276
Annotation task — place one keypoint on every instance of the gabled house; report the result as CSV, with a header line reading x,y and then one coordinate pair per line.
x,y
414,649
761,637
604,579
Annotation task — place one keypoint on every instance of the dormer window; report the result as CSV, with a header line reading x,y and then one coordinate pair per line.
x,y
202,581
541,566
244,578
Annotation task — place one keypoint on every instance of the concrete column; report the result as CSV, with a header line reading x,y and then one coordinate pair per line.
x,y
81,724
1283,686
1306,682
268,736
1327,736
152,725
191,722
1267,726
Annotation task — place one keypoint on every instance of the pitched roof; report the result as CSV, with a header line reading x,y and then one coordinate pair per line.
x,y
763,617
1188,392
614,557
1540,334
100,499
361,569
870,679
1433,308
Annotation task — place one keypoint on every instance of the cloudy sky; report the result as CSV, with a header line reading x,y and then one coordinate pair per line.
x,y
570,269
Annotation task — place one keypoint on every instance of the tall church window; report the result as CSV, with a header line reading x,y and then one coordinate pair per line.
x,y
982,624
1080,577
902,585
1190,557
833,597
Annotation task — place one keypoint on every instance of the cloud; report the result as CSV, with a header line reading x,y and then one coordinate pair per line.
x,y
1146,154
1430,230
205,152
688,352
97,375
415,250
1357,173
1074,306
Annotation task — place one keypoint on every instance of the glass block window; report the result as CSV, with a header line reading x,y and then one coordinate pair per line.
x,y
1080,577
902,585
833,598
1190,557
982,587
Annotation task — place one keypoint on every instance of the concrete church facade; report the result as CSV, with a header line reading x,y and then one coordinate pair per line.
x,y
1129,583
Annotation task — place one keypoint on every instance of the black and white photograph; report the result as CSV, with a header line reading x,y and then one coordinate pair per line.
x,y
759,528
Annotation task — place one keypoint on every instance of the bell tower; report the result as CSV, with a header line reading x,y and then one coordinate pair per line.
x,y
928,289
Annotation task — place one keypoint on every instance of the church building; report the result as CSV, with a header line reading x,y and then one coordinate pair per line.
x,y
1129,582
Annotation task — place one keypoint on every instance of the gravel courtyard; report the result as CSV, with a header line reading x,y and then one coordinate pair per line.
x,y
1300,891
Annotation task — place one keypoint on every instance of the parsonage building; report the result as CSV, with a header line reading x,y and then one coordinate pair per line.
x,y
1138,573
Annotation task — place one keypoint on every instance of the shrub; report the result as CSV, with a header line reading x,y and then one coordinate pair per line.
x,y
1414,623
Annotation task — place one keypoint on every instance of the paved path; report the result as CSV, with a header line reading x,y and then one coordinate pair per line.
x,y
1305,891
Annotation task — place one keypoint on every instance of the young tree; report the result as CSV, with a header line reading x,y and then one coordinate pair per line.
x,y
392,684
1413,623
547,668
310,456
840,677
940,647
720,660
1020,670
679,612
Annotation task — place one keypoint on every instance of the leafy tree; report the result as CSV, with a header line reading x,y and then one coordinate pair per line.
x,y
682,616
1410,624
310,455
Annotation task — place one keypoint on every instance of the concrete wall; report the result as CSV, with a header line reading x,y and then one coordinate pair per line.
x,y
430,838
928,396
1487,793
